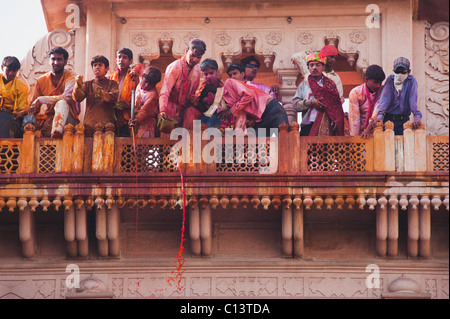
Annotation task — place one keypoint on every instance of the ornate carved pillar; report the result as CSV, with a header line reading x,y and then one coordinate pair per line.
x,y
425,227
194,230
413,226
392,223
27,157
382,226
297,221
113,225
287,229
26,230
206,225
81,228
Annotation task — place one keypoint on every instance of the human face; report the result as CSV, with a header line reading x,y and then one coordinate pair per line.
x,y
123,61
373,85
331,59
146,86
316,69
236,75
99,69
192,58
9,74
401,70
57,62
251,71
211,76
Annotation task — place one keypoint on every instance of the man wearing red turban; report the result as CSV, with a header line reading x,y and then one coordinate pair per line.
x,y
331,52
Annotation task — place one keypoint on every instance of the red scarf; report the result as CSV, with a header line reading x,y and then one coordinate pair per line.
x,y
371,103
328,95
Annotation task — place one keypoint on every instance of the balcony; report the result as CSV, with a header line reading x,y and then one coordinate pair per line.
x,y
287,177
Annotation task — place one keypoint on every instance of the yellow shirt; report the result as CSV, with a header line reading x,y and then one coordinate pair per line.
x,y
14,95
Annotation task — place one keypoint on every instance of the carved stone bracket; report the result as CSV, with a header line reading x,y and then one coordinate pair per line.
x,y
351,43
36,62
267,43
150,44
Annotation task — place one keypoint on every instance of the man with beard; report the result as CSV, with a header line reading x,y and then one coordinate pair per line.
x,y
52,99
181,81
399,98
318,99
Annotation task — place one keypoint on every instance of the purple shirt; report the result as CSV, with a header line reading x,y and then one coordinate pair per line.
x,y
399,103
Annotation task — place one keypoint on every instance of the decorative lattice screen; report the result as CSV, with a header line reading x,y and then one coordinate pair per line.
x,y
47,158
150,158
9,158
244,158
326,157
440,157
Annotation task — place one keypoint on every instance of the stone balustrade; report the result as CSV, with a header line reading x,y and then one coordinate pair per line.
x,y
385,174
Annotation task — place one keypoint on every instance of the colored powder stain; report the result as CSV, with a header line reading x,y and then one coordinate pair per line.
x,y
177,275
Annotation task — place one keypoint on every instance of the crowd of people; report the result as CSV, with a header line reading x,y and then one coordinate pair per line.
x,y
192,89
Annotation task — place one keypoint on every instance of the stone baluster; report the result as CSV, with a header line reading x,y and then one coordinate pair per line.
x,y
392,222
70,226
413,226
425,227
382,226
194,230
283,149
420,147
294,148
379,148
408,147
108,148
27,231
287,229
298,231
67,148
97,149
389,147
101,228
206,226
112,228
27,158
81,228
78,149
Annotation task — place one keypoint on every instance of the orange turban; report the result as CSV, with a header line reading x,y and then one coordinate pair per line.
x,y
329,50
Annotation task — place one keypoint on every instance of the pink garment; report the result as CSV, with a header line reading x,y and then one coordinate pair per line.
x,y
263,87
358,107
244,100
180,83
146,111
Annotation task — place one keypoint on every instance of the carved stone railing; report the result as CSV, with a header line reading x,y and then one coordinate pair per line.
x,y
385,174
291,154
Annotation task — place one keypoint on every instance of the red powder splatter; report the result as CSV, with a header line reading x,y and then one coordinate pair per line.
x,y
177,275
